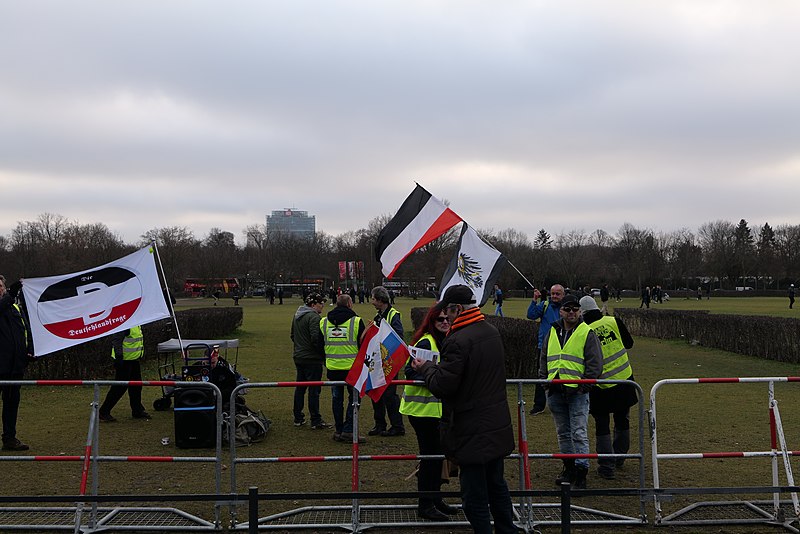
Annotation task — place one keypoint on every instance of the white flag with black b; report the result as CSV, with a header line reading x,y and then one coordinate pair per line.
x,y
476,264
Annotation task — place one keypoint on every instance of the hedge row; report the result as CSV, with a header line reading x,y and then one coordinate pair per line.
x,y
92,360
519,339
772,338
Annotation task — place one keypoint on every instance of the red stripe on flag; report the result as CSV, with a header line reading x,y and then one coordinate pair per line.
x,y
443,223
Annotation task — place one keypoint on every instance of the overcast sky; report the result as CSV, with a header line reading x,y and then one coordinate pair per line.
x,y
528,114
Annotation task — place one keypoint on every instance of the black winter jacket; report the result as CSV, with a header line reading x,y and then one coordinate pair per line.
x,y
471,382
13,345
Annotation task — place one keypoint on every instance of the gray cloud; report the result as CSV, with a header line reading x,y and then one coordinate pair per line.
x,y
201,114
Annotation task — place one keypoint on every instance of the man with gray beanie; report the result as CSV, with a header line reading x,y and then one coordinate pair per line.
x,y
608,399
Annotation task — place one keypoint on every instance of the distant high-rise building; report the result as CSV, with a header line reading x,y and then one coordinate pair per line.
x,y
291,221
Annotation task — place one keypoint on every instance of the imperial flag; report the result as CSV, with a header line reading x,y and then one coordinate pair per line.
x,y
476,265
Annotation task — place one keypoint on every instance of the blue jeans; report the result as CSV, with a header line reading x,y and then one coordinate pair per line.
x,y
342,422
485,496
307,373
570,411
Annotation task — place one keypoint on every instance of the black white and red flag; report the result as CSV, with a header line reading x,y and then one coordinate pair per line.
x,y
71,309
420,219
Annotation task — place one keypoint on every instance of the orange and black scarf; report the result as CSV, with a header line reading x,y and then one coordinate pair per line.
x,y
472,315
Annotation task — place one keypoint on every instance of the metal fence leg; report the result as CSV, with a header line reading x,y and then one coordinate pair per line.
x,y
252,510
565,507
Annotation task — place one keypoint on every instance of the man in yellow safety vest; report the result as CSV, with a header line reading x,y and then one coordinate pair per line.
x,y
571,351
127,348
341,330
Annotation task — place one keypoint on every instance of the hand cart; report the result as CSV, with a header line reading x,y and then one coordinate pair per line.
x,y
197,359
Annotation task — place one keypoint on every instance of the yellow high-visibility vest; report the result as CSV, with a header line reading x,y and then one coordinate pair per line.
x,y
567,361
341,343
418,400
616,365
132,345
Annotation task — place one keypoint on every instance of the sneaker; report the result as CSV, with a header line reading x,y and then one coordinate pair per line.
x,y
107,418
142,415
393,432
14,445
300,423
536,410
322,425
376,431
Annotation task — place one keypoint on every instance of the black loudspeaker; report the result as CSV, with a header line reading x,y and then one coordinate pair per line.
x,y
195,418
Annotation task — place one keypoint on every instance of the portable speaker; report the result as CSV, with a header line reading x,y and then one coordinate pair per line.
x,y
195,418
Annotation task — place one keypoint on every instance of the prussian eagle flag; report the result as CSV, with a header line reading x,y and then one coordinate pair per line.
x,y
381,356
71,309
420,219
476,265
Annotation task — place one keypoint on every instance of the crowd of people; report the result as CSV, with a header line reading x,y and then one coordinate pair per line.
x,y
461,412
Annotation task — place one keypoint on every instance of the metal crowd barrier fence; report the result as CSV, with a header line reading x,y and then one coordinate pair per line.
x,y
782,513
117,518
358,516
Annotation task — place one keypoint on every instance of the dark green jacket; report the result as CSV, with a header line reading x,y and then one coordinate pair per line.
x,y
309,345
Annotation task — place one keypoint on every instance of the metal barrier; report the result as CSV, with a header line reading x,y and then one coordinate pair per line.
x,y
782,513
117,518
357,516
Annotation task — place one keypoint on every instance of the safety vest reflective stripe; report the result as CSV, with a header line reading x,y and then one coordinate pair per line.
x,y
616,365
418,400
22,318
341,345
567,362
132,345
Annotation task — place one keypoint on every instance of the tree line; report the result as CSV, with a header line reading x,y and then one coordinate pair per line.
x,y
720,254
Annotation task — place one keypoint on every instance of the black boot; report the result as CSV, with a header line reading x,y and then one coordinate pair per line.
x,y
622,444
446,508
580,477
605,465
430,513
568,473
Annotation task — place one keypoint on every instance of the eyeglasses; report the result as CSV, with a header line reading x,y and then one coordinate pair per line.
x,y
442,320
570,309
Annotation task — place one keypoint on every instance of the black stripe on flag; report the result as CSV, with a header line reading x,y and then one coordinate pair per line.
x,y
408,211
68,287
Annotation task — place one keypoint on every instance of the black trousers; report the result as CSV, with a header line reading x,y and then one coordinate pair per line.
x,y
388,404
429,476
11,396
126,370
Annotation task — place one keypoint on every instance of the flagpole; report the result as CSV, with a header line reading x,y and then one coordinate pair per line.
x,y
507,260
168,298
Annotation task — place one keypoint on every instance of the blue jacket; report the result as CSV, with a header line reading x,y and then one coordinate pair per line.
x,y
548,312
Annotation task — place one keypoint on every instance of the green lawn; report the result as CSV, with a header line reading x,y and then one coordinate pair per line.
x,y
723,417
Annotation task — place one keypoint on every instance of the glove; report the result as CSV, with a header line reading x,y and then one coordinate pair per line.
x,y
14,288
584,388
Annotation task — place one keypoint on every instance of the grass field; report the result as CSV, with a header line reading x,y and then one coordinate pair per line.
x,y
692,418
